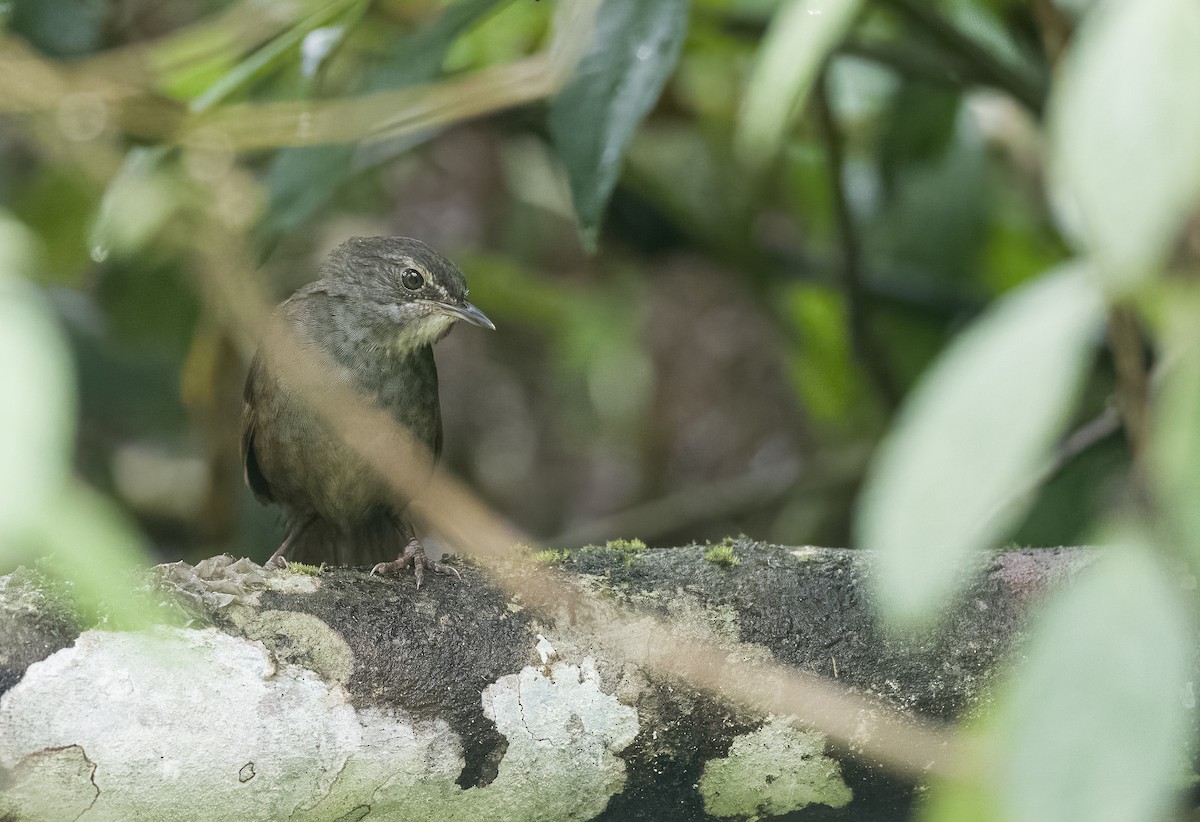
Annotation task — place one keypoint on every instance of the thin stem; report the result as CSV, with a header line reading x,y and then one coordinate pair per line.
x,y
1133,381
862,340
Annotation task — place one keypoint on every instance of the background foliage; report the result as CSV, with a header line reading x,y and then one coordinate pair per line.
x,y
916,277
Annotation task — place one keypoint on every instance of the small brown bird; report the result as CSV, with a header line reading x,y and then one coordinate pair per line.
x,y
374,314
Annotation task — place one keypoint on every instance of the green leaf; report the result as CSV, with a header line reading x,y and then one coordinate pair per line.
x,y
140,199
634,48
1124,126
948,800
99,552
63,28
302,180
800,38
1175,442
278,51
37,393
1094,727
946,482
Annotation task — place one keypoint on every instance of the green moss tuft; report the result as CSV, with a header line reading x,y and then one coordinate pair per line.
x,y
626,546
723,555
551,557
306,569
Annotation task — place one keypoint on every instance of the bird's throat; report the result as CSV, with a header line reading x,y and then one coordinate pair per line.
x,y
419,332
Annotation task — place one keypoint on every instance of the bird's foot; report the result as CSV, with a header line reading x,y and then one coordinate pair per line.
x,y
278,562
414,555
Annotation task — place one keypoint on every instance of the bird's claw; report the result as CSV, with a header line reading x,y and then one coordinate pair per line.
x,y
278,563
413,556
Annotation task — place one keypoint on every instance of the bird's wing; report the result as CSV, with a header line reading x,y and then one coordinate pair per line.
x,y
252,473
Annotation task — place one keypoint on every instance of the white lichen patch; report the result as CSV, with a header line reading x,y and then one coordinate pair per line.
x,y
774,770
545,649
171,718
199,725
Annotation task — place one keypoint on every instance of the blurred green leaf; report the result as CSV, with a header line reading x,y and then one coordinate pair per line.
x,y
823,365
1175,444
279,50
800,38
64,28
635,46
138,201
1124,126
419,56
1094,726
957,801
59,205
919,130
936,214
98,551
37,393
302,180
976,429
514,31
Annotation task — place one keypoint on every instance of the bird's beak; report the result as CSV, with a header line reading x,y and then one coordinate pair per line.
x,y
470,313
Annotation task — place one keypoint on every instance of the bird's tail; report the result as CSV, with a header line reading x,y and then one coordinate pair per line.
x,y
379,538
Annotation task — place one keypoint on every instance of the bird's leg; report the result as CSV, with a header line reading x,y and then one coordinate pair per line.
x,y
278,560
414,555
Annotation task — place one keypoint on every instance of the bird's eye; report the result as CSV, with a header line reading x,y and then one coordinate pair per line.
x,y
412,279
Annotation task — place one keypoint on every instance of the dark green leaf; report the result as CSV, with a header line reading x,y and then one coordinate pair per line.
x,y
63,28
592,120
301,181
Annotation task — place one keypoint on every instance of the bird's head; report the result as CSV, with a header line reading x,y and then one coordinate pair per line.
x,y
406,284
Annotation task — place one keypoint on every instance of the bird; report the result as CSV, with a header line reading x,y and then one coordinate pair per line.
x,y
371,317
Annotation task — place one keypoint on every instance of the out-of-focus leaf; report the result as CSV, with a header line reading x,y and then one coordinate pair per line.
x,y
388,115
302,180
823,364
1094,726
275,53
936,215
635,45
138,201
513,31
62,28
1124,126
686,176
191,59
920,129
58,206
1175,443
800,37
299,183
98,551
979,425
957,801
418,57
37,396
